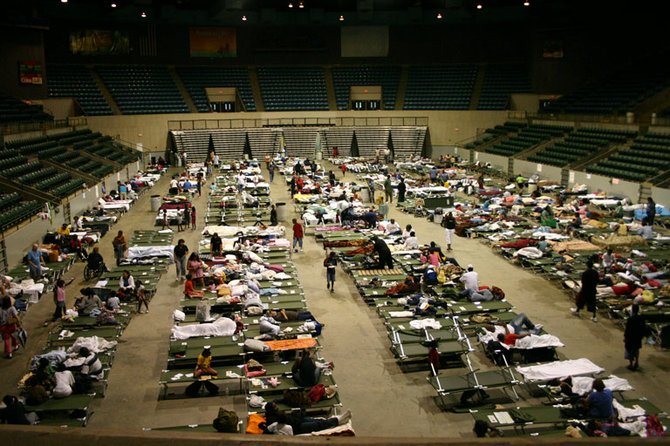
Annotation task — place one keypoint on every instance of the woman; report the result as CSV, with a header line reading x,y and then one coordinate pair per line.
x,y
120,247
651,211
406,232
180,252
204,364
141,294
127,284
193,217
306,372
195,269
64,380
9,321
599,401
547,218
59,299
215,245
273,216
190,291
92,365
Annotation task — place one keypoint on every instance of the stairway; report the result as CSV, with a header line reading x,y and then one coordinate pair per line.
x,y
105,92
182,90
477,88
256,89
402,87
330,87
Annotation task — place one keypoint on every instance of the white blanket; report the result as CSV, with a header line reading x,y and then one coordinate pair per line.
x,y
151,251
559,369
93,343
401,314
525,343
581,385
221,327
420,324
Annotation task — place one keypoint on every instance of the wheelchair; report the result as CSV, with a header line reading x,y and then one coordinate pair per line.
x,y
94,273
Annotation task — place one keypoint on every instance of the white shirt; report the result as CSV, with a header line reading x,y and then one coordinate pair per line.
x,y
64,383
471,280
411,243
392,227
174,183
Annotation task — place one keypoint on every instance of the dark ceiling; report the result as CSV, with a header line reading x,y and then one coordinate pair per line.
x,y
312,12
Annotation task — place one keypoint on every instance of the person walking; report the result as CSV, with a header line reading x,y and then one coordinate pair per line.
x,y
651,211
388,189
636,329
330,263
273,216
180,252
402,188
449,225
59,300
193,220
587,293
120,246
298,234
271,171
9,322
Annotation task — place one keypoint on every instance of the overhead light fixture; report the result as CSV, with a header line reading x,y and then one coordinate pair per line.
x,y
301,5
479,6
63,1
244,18
113,5
439,16
341,18
290,4
526,3
143,15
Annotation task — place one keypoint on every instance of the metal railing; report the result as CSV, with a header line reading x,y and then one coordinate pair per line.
x,y
344,121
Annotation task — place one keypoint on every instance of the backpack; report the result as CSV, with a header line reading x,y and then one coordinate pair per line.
x,y
316,393
226,421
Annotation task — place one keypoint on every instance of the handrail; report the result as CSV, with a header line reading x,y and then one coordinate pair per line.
x,y
343,121
13,128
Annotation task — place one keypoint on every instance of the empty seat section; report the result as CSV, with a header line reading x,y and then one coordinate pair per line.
x,y
143,89
196,79
14,210
500,81
617,93
76,81
228,143
340,137
293,88
84,163
647,157
440,87
300,141
407,141
580,145
15,110
263,141
369,139
387,77
526,138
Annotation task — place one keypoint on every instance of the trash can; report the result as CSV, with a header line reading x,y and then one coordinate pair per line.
x,y
319,155
384,209
156,202
282,211
365,195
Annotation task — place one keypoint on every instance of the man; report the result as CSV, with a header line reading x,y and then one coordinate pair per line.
x,y
217,161
388,189
298,234
273,216
34,258
393,228
636,329
383,252
180,252
95,260
470,280
120,246
449,225
271,171
587,294
402,188
187,186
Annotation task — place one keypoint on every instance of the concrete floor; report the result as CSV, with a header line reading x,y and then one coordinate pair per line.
x,y
384,400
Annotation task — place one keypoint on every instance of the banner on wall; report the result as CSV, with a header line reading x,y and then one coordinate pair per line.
x,y
30,72
98,42
213,42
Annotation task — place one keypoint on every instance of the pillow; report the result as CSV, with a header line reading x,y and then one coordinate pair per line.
x,y
254,345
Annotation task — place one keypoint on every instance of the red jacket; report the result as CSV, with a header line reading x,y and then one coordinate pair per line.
x,y
297,230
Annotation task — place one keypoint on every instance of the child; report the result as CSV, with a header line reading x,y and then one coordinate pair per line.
x,y
330,263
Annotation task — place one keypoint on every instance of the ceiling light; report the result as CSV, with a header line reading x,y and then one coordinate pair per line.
x,y
439,16
301,5
63,1
290,5
244,18
479,6
341,18
526,3
143,15
113,5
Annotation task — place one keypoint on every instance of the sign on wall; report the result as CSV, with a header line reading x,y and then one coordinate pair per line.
x,y
30,72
